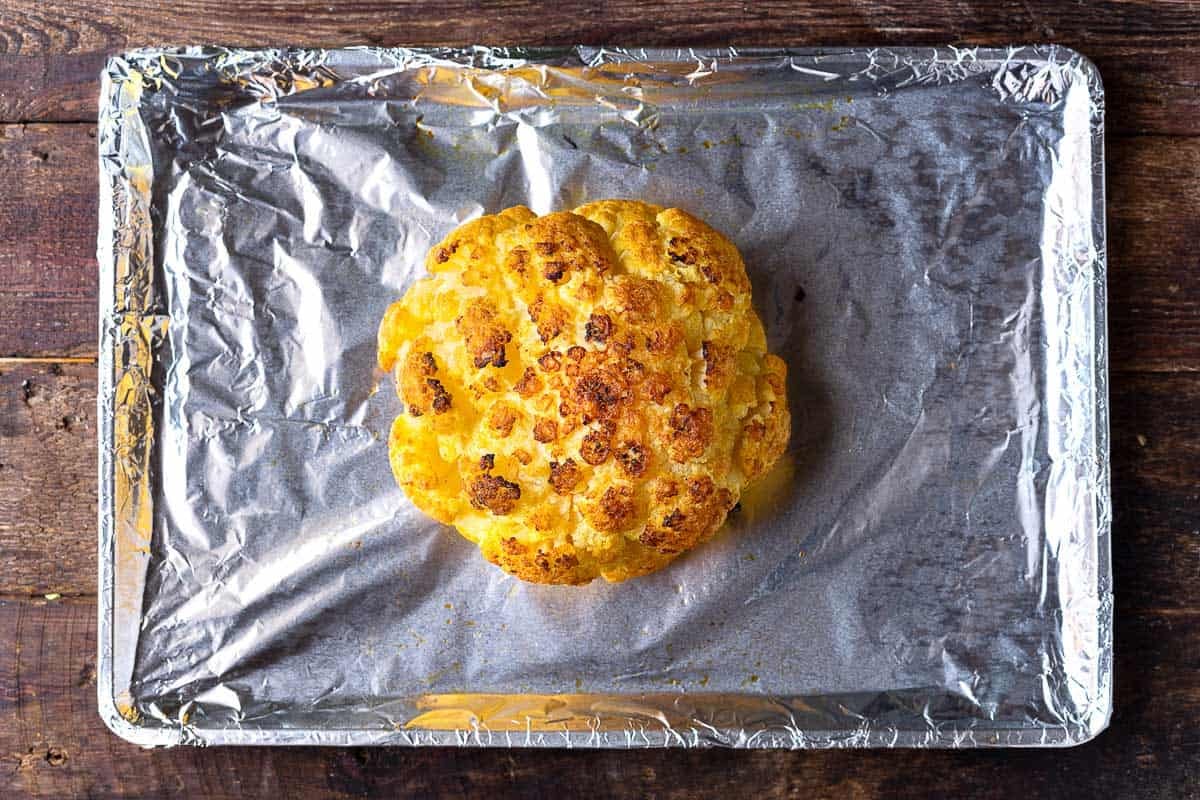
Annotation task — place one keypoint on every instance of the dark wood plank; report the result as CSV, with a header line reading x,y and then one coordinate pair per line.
x,y
48,483
1148,90
47,478
1156,499
1154,253
52,52
48,232
56,746
48,240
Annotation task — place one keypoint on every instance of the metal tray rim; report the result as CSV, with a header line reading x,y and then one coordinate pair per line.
x,y
137,730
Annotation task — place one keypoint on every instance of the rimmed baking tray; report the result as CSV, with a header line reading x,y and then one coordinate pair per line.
x,y
924,231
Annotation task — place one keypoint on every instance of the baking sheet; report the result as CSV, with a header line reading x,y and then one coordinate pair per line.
x,y
924,231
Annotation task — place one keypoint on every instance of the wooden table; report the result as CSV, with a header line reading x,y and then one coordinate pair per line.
x,y
52,742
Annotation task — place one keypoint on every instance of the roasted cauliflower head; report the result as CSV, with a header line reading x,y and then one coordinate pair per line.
x,y
585,393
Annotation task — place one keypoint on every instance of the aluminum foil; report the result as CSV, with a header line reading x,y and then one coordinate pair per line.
x,y
924,231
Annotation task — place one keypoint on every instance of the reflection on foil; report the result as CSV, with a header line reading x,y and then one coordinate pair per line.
x,y
924,232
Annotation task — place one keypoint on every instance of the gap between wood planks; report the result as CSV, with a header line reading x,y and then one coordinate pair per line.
x,y
1149,73
1112,131
1179,369
54,744
49,288
48,360
48,488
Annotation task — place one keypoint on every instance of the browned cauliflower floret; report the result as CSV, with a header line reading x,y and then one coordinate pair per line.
x,y
586,393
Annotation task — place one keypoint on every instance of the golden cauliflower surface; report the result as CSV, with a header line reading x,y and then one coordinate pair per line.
x,y
586,392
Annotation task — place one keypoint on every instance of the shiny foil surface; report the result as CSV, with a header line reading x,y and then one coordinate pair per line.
x,y
924,231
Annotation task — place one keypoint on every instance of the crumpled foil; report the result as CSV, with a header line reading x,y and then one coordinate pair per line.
x,y
924,231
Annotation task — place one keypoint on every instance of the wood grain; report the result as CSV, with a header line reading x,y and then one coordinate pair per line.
x,y
48,483
1156,499
1154,254
48,240
55,745
48,235
47,478
51,53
